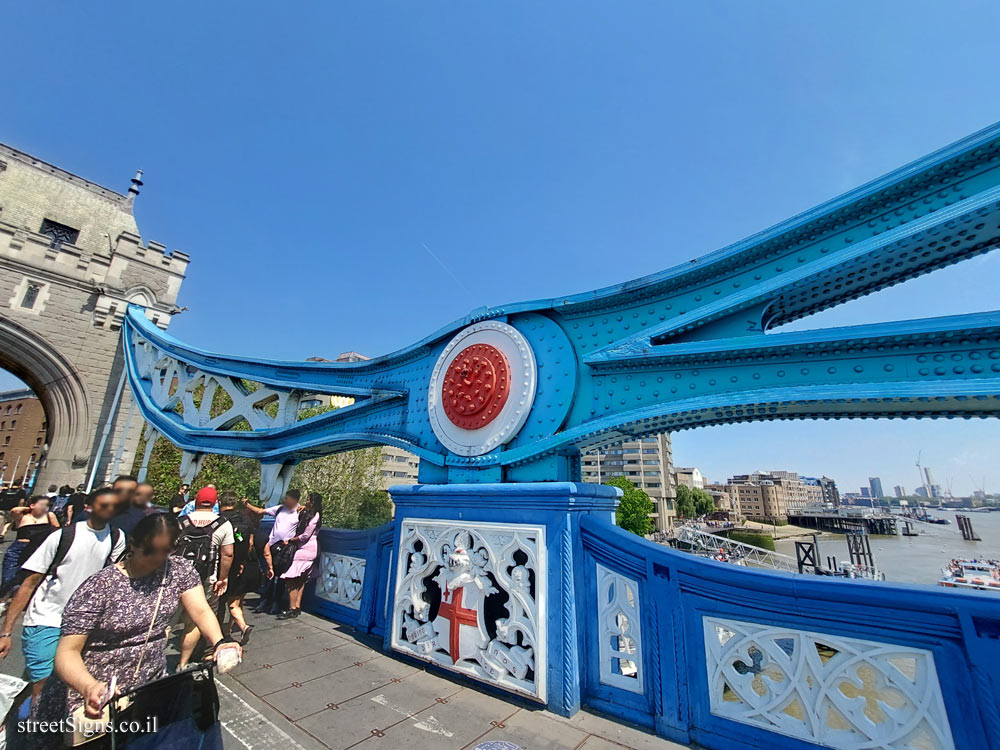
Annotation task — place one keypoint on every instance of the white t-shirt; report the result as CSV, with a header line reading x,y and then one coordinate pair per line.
x,y
220,537
86,556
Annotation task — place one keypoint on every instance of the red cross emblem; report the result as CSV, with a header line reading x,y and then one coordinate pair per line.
x,y
456,616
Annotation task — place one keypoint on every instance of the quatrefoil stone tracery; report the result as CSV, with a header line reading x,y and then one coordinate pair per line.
x,y
836,691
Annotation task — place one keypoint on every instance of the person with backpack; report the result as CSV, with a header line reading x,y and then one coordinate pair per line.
x,y
58,505
244,575
54,572
115,632
206,541
77,505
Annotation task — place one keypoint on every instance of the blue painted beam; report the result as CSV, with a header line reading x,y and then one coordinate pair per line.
x,y
685,347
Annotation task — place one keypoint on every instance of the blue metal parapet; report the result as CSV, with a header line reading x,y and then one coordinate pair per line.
x,y
695,650
732,658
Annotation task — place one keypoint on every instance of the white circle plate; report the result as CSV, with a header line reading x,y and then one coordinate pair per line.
x,y
523,381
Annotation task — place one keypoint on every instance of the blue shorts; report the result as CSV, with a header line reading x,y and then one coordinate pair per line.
x,y
38,642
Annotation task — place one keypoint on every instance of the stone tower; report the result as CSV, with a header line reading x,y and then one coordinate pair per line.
x,y
71,259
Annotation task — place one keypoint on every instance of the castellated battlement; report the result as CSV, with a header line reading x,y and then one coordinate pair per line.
x,y
130,245
59,230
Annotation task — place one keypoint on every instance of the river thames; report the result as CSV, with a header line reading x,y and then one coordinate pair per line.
x,y
919,559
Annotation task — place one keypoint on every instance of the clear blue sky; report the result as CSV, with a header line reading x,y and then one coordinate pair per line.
x,y
315,158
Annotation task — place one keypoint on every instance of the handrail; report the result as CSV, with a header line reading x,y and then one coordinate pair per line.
x,y
748,553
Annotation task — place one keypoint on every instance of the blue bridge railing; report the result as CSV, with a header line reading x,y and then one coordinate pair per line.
x,y
727,657
353,582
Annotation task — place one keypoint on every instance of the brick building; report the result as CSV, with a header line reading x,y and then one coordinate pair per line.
x,y
22,435
769,495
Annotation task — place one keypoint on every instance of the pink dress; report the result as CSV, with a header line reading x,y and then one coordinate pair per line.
x,y
305,561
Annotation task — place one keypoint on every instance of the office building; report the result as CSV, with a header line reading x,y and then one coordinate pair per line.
x,y
724,500
931,488
875,485
648,463
828,488
690,477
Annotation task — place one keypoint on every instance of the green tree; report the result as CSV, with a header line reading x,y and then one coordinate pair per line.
x,y
374,509
350,484
691,503
703,502
684,504
634,508
241,475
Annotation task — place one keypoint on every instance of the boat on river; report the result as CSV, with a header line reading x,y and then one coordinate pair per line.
x,y
963,573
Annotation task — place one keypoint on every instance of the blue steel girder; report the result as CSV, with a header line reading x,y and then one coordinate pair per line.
x,y
682,348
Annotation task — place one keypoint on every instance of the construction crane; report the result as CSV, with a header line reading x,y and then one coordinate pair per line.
x,y
920,473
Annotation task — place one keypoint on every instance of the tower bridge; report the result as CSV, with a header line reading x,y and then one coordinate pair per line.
x,y
559,605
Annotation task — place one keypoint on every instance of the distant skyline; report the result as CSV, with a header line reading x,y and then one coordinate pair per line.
x,y
354,177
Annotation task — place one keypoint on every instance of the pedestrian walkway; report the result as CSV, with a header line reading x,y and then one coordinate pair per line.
x,y
323,685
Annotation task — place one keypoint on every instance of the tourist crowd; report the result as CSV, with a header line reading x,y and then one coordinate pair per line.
x,y
104,578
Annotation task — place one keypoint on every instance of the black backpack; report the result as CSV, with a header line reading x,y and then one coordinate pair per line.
x,y
66,536
195,545
242,531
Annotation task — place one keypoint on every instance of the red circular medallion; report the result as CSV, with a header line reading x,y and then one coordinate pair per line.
x,y
476,386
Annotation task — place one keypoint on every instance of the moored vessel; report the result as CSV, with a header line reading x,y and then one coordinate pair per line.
x,y
972,574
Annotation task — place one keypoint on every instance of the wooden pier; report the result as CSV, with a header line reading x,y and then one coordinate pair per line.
x,y
877,524
965,526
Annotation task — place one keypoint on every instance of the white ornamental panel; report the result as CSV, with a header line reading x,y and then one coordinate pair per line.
x,y
619,630
341,579
835,691
470,597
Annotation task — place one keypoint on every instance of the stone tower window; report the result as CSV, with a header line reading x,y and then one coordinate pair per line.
x,y
30,295
58,234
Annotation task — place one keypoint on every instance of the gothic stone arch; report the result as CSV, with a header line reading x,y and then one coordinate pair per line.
x,y
58,385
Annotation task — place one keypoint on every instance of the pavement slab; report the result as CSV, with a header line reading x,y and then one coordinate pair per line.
x,y
312,684
534,730
329,685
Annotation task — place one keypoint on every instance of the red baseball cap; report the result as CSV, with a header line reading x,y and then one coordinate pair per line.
x,y
206,496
